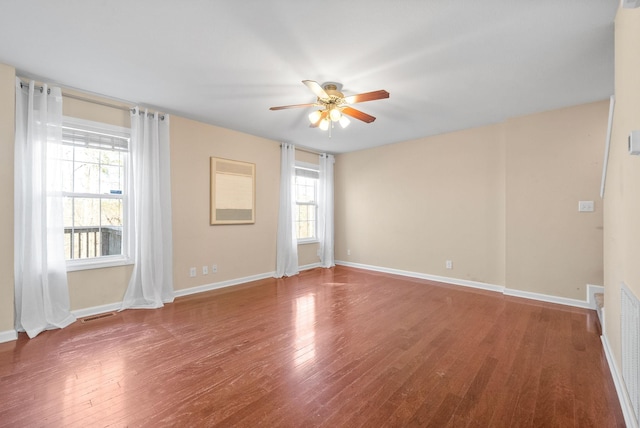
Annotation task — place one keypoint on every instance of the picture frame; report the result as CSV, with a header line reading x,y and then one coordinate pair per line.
x,y
233,192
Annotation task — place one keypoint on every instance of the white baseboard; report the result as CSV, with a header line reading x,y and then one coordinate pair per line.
x,y
473,284
8,336
309,266
447,280
237,281
111,307
222,284
95,310
623,397
547,298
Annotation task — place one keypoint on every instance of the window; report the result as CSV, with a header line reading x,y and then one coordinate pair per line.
x,y
306,188
94,171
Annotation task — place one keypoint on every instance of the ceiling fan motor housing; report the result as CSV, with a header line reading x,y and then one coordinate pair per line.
x,y
336,98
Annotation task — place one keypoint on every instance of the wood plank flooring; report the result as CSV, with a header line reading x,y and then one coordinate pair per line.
x,y
327,348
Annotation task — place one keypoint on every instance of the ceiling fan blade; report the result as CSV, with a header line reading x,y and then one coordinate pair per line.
x,y
367,96
293,106
357,114
316,89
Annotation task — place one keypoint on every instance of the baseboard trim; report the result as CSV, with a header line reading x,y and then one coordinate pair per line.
x,y
473,284
419,275
96,310
547,298
222,284
309,266
8,336
623,397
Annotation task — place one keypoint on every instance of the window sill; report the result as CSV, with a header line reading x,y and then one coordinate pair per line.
x,y
103,262
307,241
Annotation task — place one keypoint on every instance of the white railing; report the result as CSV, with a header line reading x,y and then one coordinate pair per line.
x,y
88,242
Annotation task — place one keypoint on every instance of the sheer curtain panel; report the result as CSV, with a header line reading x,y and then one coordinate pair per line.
x,y
149,213
325,211
41,289
287,243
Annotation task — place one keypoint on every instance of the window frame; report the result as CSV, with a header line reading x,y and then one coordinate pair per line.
x,y
109,260
315,168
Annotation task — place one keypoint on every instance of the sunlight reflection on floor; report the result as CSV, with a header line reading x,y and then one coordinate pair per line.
x,y
305,339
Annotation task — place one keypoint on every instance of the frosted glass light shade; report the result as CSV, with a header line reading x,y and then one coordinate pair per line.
x,y
335,114
344,121
314,117
324,124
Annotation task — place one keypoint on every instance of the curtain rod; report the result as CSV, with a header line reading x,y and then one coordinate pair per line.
x,y
302,149
101,103
89,100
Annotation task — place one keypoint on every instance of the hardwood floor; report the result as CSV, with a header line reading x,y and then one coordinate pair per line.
x,y
330,348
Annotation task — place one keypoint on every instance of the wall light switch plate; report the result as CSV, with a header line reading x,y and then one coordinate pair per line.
x,y
585,206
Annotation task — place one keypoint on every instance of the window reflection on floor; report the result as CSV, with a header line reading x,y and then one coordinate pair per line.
x,y
305,339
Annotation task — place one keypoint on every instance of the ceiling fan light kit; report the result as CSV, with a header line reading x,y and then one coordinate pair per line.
x,y
334,106
334,114
315,116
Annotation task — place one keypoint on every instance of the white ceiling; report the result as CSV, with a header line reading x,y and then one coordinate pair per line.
x,y
448,65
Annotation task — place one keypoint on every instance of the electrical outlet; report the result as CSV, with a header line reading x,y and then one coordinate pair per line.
x,y
214,268
348,252
585,206
205,270
192,272
449,264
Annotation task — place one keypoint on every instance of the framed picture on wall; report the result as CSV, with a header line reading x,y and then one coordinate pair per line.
x,y
233,192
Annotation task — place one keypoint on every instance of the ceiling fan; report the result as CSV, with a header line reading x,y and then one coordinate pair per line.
x,y
334,106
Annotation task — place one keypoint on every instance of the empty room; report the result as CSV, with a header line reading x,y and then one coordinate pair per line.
x,y
338,214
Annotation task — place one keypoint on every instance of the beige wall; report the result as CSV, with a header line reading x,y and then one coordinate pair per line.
x,y
554,160
414,205
622,193
7,112
499,201
238,250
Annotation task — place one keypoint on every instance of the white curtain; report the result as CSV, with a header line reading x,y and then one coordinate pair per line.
x,y
287,243
325,211
149,214
41,289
